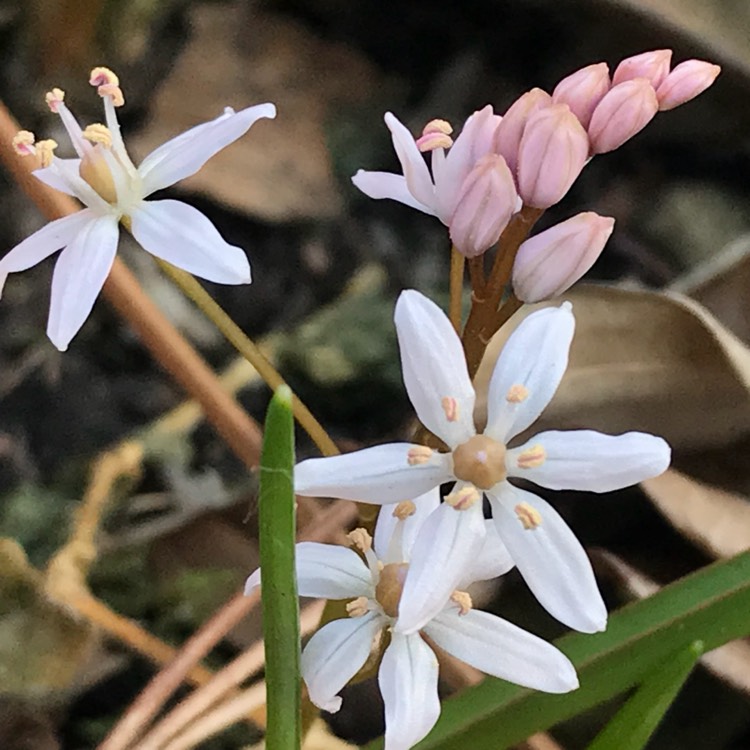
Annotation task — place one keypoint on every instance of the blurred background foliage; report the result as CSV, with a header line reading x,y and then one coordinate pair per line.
x,y
328,264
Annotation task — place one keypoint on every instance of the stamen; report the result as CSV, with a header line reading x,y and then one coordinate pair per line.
x,y
418,454
451,408
46,151
23,143
532,457
98,133
463,599
437,126
464,498
404,509
112,91
358,607
529,516
517,393
101,76
54,99
436,134
361,539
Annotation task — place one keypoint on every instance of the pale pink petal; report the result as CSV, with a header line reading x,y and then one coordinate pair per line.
x,y
498,648
550,558
528,371
388,185
413,164
183,236
379,475
187,153
80,273
408,683
434,368
335,654
64,175
589,460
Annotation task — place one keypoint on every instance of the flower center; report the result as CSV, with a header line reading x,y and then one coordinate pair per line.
x,y
481,461
389,588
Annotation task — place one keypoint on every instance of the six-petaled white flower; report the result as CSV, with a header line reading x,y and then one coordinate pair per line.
x,y
377,588
525,378
104,178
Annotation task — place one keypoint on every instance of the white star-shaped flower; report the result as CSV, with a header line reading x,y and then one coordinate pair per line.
x,y
525,378
377,588
104,178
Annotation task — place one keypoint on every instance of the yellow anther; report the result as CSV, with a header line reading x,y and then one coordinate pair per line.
x,y
98,133
431,141
437,126
358,607
101,76
404,509
451,408
113,91
46,151
418,454
529,516
463,599
23,143
532,457
361,539
517,393
54,99
464,498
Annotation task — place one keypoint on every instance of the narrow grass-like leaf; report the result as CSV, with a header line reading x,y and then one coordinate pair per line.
x,y
632,726
279,588
711,605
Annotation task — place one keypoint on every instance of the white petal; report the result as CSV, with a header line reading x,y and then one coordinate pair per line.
x,y
408,683
535,358
412,162
434,367
551,560
45,241
55,178
335,654
489,561
64,175
439,561
378,475
187,153
387,524
503,650
388,185
183,236
326,571
80,273
592,461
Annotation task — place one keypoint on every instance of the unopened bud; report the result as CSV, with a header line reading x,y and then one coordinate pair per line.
x,y
553,151
583,90
685,82
623,112
552,261
486,202
653,65
510,130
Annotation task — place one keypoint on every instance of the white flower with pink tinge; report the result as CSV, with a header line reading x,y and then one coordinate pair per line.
x,y
104,178
526,376
377,588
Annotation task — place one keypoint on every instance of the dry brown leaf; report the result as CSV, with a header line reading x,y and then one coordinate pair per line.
x,y
645,361
730,663
236,57
717,521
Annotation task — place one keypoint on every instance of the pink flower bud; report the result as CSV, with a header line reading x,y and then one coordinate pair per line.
x,y
685,82
510,129
652,65
553,151
486,202
624,111
583,90
552,261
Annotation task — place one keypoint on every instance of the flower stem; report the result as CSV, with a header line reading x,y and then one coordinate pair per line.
x,y
476,274
192,289
481,325
456,288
